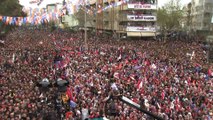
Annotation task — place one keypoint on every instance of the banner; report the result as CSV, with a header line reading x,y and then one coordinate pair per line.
x,y
38,16
18,21
140,29
142,6
141,18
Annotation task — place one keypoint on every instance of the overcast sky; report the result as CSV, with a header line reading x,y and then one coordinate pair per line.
x,y
162,2
26,3
45,2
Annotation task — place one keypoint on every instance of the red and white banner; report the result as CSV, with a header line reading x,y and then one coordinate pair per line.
x,y
141,17
142,6
140,29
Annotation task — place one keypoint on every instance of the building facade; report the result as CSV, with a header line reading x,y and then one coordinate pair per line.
x,y
135,18
202,11
139,18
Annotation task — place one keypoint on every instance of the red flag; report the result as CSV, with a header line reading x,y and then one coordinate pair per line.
x,y
69,93
68,114
132,76
139,84
210,73
116,75
162,95
126,61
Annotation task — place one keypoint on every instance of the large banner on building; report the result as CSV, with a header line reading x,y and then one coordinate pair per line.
x,y
140,29
142,6
141,18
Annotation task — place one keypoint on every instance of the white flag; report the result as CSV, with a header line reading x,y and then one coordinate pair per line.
x,y
13,59
193,54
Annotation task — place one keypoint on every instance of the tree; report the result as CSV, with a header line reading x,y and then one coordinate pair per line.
x,y
170,16
80,16
162,17
189,15
10,8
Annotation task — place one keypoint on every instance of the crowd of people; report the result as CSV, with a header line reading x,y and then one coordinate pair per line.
x,y
168,78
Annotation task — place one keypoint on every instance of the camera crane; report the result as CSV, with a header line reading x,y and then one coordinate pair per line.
x,y
132,104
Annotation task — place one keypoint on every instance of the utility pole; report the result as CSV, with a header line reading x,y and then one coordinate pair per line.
x,y
96,19
85,25
61,17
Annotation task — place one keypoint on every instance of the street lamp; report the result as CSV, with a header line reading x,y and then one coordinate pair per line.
x,y
85,25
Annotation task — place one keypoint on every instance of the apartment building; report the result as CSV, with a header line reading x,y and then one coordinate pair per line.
x,y
134,18
202,12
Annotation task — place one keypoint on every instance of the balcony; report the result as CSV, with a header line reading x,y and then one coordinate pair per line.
x,y
141,18
140,29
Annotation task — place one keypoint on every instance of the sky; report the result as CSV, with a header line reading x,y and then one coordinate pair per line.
x,y
26,3
45,2
162,2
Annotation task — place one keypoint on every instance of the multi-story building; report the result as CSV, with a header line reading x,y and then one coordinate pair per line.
x,y
202,11
139,17
133,18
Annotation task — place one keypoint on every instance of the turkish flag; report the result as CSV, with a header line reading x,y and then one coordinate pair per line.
x,y
69,93
68,115
210,73
139,84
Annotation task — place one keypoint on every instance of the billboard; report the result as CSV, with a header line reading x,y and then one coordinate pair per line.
x,y
142,6
141,17
140,29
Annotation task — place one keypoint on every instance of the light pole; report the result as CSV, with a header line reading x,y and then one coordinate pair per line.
x,y
96,18
85,25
